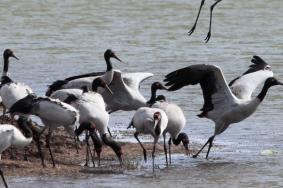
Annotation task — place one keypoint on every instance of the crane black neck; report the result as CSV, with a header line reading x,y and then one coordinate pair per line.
x,y
108,63
268,83
153,96
24,125
6,65
114,145
181,137
83,126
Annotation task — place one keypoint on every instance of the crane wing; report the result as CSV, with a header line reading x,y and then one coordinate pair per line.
x,y
133,80
244,85
213,84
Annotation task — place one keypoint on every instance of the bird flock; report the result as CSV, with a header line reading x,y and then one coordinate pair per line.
x,y
84,103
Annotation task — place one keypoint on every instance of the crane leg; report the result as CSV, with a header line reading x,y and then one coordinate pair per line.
x,y
3,178
209,147
195,24
153,155
210,21
97,144
165,149
76,138
144,151
37,140
48,137
210,140
87,149
169,144
109,131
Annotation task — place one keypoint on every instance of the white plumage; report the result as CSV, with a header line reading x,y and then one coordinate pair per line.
x,y
91,107
93,116
126,95
220,104
143,121
63,94
55,113
52,112
10,91
11,136
151,121
176,119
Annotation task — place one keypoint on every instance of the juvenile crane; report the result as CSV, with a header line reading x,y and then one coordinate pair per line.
x,y
52,112
151,121
176,119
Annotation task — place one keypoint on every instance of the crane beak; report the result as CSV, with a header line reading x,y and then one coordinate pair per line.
x,y
114,56
280,83
14,57
108,89
163,87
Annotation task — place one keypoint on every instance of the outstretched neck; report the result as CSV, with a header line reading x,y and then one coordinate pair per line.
x,y
108,63
263,92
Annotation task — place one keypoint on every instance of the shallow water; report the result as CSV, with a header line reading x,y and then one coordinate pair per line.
x,y
56,39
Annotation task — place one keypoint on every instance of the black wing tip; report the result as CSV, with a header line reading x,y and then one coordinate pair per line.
x,y
258,60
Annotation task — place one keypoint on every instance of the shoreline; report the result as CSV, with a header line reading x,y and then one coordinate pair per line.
x,y
69,163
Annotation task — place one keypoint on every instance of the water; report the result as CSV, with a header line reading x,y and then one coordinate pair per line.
x,y
56,39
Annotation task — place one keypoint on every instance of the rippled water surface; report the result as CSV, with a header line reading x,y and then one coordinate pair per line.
x,y
55,39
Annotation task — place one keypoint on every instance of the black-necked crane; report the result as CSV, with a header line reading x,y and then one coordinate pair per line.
x,y
6,55
11,136
93,116
151,121
11,91
220,104
210,21
52,112
176,119
86,79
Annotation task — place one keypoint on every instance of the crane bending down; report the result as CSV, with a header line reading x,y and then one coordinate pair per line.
x,y
52,112
220,104
93,116
210,21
